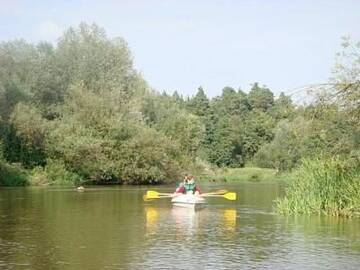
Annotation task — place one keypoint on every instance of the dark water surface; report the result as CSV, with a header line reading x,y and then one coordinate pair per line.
x,y
112,228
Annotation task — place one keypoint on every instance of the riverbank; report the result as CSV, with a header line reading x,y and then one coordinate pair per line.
x,y
57,175
250,174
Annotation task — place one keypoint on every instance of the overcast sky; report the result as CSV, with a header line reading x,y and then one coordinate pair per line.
x,y
180,45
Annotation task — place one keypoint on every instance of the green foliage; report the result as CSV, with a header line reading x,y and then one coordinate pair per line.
x,y
199,104
321,131
286,149
260,98
55,173
149,157
86,55
187,130
283,108
257,130
11,175
30,129
330,186
225,148
231,103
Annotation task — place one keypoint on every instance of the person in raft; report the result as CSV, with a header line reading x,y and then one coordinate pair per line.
x,y
188,186
181,188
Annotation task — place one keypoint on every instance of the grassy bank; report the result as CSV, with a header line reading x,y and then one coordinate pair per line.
x,y
253,174
330,186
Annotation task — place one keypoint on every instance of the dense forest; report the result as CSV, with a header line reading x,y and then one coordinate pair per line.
x,y
78,111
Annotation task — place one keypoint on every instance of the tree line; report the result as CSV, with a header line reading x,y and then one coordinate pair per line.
x,y
79,111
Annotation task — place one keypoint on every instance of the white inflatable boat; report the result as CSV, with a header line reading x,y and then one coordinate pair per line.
x,y
188,201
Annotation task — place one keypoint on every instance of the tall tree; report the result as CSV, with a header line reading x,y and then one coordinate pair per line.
x,y
260,98
283,107
199,104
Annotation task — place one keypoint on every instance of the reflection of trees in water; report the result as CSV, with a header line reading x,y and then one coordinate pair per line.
x,y
88,230
270,238
259,237
330,231
22,217
100,228
260,195
258,234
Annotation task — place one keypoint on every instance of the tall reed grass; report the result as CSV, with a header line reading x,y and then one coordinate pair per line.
x,y
323,186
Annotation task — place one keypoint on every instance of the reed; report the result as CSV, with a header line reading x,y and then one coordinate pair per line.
x,y
323,186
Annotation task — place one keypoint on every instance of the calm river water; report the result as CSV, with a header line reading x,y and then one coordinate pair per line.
x,y
112,228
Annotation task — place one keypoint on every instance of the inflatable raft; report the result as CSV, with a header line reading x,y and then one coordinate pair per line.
x,y
188,201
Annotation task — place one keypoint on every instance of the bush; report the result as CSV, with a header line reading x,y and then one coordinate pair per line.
x,y
54,173
149,157
330,186
12,175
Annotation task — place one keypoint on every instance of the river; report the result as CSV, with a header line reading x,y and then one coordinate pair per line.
x,y
113,228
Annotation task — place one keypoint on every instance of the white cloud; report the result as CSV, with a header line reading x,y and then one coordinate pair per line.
x,y
49,31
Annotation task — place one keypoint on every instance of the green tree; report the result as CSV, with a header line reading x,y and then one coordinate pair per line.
x,y
256,130
283,108
199,104
86,55
260,98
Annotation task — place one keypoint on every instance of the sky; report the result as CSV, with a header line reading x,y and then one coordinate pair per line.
x,y
181,45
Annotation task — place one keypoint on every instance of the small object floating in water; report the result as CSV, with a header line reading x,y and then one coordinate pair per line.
x,y
80,188
188,201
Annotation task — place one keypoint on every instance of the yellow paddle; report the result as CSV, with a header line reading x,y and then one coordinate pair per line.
x,y
152,194
146,198
230,195
155,194
216,192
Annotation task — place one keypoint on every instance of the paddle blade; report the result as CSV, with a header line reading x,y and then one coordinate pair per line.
x,y
146,199
152,194
230,196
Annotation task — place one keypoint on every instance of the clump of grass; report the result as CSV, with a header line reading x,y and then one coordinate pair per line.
x,y
330,186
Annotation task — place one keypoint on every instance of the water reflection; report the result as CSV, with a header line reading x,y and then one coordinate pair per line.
x,y
152,215
114,229
186,221
229,216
